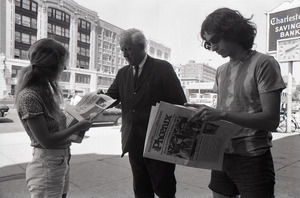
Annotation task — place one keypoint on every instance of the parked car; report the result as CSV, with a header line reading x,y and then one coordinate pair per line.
x,y
195,97
209,99
3,110
109,116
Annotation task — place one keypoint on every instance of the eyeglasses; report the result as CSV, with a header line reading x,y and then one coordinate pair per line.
x,y
213,40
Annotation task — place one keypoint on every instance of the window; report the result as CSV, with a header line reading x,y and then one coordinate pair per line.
x,y
159,53
67,18
25,38
67,32
18,19
166,56
33,23
50,11
15,70
18,3
82,51
17,53
49,28
26,4
17,36
26,21
83,24
152,50
23,54
58,30
83,38
58,15
34,6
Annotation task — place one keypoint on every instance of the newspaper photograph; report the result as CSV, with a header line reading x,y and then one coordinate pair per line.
x,y
89,107
171,138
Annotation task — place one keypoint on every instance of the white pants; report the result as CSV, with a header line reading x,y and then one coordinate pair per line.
x,y
48,174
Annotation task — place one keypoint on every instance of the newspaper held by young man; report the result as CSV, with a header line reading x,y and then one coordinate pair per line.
x,y
171,138
89,107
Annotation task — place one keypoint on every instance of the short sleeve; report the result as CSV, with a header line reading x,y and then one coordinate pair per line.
x,y
269,76
29,105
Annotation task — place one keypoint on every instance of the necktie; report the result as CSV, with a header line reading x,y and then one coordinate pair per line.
x,y
136,75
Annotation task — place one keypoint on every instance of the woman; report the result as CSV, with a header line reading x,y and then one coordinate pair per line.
x,y
37,100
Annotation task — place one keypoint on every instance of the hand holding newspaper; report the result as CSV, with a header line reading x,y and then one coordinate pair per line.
x,y
89,107
171,138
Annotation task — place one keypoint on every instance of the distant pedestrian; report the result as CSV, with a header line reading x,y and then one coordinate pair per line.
x,y
138,86
75,98
249,88
37,100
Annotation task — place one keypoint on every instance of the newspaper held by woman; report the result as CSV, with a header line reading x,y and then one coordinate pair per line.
x,y
89,107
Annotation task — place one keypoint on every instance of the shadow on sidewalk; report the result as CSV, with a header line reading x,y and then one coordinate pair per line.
x,y
109,176
92,175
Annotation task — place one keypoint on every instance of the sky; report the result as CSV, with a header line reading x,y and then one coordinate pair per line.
x,y
177,23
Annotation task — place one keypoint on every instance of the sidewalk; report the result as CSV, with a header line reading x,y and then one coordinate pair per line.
x,y
97,170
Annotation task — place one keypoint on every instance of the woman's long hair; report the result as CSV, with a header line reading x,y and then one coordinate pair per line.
x,y
47,61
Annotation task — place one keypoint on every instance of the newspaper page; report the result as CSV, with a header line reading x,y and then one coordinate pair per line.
x,y
89,107
171,138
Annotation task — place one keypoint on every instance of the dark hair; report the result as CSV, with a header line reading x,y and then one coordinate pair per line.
x,y
47,60
231,25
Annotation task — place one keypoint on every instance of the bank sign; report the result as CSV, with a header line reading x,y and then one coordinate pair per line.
x,y
283,25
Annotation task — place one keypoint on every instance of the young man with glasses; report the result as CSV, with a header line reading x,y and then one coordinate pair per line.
x,y
249,88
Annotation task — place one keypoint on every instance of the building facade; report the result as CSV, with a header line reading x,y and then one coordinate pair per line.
x,y
95,56
198,71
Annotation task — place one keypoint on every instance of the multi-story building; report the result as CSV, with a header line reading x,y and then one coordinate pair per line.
x,y
95,56
109,57
197,77
158,50
198,71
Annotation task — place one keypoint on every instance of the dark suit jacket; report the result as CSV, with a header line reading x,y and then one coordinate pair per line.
x,y
157,82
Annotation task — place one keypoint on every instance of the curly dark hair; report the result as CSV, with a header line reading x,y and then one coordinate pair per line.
x,y
231,25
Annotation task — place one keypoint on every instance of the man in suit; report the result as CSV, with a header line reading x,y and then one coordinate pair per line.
x,y
138,86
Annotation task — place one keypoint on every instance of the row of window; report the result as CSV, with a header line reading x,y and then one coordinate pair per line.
x,y
25,21
24,38
82,64
58,30
83,24
20,54
82,78
83,51
26,4
83,37
59,15
104,81
79,78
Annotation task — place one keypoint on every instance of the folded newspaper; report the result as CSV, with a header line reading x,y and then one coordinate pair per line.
x,y
171,138
89,107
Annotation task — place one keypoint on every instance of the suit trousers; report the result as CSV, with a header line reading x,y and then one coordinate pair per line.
x,y
152,176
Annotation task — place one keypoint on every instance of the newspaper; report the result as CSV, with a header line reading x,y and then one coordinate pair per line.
x,y
89,107
171,138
